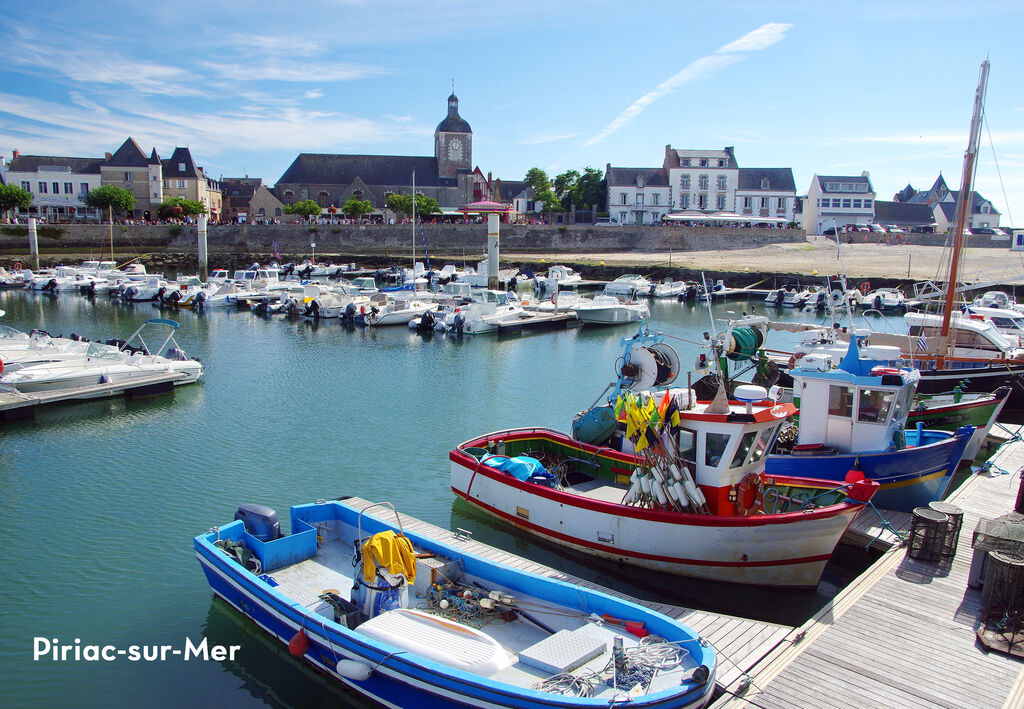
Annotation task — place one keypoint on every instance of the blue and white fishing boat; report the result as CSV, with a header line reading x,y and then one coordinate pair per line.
x,y
852,416
429,625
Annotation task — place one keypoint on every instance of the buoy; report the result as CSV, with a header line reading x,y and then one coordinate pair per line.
x,y
299,644
659,492
352,669
814,272
602,263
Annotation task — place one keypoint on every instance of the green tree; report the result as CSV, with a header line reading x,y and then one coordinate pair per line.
x,y
180,207
112,198
402,204
12,196
583,190
356,208
305,208
542,190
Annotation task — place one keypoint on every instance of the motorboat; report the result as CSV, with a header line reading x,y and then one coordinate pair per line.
x,y
150,289
558,277
480,278
629,284
102,364
561,301
430,624
1009,322
887,300
668,289
609,309
658,480
365,285
399,312
489,310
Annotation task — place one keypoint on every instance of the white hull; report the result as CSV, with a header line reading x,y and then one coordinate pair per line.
x,y
612,314
67,376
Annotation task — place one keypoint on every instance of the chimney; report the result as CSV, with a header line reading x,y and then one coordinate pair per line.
x,y
107,156
15,155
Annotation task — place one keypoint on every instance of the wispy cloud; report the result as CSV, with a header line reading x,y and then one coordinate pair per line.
x,y
294,71
546,138
313,93
761,38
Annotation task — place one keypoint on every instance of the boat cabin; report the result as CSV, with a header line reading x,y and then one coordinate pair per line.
x,y
973,337
857,404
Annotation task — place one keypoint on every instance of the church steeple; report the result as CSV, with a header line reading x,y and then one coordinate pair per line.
x,y
453,146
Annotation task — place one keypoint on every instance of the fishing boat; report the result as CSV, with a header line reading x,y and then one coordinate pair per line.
x,y
430,625
853,416
687,496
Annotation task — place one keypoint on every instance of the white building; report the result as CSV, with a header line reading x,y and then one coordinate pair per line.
x,y
837,201
705,180
942,201
766,192
637,195
58,185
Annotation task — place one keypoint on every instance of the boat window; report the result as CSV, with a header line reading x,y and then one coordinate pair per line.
x,y
714,446
688,445
840,401
98,350
763,444
874,405
741,452
902,406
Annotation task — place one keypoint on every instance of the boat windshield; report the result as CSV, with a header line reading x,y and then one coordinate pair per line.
x,y
9,333
97,350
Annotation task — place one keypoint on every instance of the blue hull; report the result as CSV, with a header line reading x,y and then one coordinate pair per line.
x,y
909,478
399,678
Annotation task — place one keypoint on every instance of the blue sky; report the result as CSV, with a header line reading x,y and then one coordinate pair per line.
x,y
820,87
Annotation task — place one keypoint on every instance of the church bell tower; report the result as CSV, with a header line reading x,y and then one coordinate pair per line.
x,y
453,142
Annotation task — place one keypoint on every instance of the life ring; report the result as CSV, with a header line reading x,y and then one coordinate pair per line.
x,y
17,265
865,287
1,366
749,494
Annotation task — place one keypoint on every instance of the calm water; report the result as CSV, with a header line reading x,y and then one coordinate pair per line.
x,y
100,500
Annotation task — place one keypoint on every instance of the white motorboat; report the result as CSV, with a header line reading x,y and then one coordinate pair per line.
x,y
102,364
151,289
1009,322
561,302
668,288
398,312
607,309
365,285
489,310
884,299
629,284
479,278
558,277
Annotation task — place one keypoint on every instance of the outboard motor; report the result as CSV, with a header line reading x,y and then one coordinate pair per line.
x,y
878,302
160,293
312,310
459,324
173,299
426,322
306,272
262,307
200,300
349,316
51,286
130,292
260,521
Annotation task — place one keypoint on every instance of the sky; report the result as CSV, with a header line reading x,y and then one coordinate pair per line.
x,y
820,87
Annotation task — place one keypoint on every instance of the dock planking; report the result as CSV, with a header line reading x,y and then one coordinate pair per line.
x,y
741,643
903,633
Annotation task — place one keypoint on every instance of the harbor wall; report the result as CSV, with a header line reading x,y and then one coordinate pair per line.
x,y
386,239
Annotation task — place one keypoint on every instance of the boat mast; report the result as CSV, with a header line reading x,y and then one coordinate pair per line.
x,y
963,205
413,226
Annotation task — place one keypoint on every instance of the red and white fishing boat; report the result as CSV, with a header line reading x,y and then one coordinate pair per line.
x,y
687,496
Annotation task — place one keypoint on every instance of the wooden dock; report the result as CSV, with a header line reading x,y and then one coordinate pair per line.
x,y
903,633
740,643
15,405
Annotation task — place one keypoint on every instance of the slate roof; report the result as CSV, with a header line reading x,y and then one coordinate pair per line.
x,y
903,213
976,202
948,210
853,179
453,122
622,176
905,195
780,179
240,187
129,155
31,163
328,169
181,156
509,189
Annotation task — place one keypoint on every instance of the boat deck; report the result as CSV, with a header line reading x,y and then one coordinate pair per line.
x,y
16,405
740,643
903,633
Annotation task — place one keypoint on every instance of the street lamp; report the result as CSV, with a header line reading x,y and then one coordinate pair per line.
x,y
313,245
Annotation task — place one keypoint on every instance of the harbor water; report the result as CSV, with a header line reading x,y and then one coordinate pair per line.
x,y
100,500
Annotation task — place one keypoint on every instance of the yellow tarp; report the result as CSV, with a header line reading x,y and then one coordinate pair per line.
x,y
392,552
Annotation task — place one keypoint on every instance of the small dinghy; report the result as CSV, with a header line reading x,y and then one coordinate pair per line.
x,y
427,624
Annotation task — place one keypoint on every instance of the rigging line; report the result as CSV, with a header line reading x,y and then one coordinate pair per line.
x,y
995,161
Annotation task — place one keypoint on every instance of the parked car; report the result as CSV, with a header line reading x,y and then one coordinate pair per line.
x,y
992,231
876,228
604,221
923,229
831,231
893,229
855,227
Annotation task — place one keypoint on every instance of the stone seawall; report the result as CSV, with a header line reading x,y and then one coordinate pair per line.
x,y
377,240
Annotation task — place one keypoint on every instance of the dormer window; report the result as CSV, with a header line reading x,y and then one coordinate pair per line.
x,y
703,162
181,167
721,163
684,162
764,183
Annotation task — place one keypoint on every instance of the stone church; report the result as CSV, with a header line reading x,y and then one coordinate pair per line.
x,y
332,179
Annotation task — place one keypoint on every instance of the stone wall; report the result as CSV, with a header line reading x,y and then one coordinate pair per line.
x,y
377,239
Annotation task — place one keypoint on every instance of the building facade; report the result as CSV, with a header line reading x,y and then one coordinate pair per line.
x,y
765,192
838,200
637,195
705,180
942,202
183,178
130,169
58,185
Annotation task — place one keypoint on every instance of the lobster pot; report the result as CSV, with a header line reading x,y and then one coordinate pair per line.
x,y
1004,582
955,516
927,534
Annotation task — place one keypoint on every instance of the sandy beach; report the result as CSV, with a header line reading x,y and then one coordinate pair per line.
x,y
860,260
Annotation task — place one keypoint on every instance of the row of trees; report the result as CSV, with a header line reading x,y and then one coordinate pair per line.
x,y
569,188
356,208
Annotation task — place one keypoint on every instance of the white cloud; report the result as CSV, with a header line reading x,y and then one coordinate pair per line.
x,y
311,71
761,38
313,93
398,119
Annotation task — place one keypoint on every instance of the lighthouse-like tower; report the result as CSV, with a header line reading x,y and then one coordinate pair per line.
x,y
453,142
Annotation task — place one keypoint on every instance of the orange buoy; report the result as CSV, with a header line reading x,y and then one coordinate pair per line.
x,y
299,644
865,287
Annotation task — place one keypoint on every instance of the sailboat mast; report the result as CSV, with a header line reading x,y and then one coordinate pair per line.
x,y
964,204
414,225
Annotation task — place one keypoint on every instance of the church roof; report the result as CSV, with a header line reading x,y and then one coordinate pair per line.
x,y
453,122
329,169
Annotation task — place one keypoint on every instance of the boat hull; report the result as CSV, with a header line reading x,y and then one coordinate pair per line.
x,y
610,316
980,414
785,550
908,478
986,378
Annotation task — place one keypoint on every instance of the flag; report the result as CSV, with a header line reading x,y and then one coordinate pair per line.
x,y
651,412
672,415
922,344
620,409
663,405
641,441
